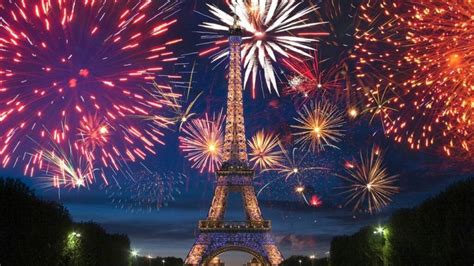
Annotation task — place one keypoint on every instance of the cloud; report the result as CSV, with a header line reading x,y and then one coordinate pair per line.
x,y
296,242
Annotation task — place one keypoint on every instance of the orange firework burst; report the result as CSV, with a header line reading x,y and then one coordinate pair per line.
x,y
425,50
265,150
202,142
319,126
368,182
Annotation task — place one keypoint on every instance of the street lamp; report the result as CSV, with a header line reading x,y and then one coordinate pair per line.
x,y
312,258
74,234
300,261
163,261
134,254
379,230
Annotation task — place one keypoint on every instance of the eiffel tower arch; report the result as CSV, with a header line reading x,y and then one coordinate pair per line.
x,y
217,235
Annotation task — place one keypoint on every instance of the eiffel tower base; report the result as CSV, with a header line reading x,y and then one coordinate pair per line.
x,y
210,244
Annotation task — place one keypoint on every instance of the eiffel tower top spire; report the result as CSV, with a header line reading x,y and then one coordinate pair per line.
x,y
235,29
235,150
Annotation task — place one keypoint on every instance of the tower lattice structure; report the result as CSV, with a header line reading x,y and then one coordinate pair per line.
x,y
217,235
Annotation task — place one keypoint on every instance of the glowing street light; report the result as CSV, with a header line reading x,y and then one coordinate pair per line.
x,y
300,261
134,253
379,230
75,234
312,258
163,261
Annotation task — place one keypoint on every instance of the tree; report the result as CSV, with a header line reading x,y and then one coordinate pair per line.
x,y
90,245
32,231
438,232
38,232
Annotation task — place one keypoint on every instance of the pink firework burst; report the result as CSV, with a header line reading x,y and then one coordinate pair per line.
x,y
73,74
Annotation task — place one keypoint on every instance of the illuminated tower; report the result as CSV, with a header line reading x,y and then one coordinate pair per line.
x,y
216,235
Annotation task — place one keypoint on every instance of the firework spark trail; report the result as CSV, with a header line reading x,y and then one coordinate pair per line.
x,y
66,61
146,191
180,108
379,104
425,50
313,201
319,126
265,152
271,29
369,183
66,168
296,167
202,142
309,80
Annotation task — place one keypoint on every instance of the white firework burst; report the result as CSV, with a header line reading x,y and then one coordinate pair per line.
x,y
270,29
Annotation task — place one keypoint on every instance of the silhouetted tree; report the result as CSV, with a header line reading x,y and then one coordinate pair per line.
x,y
38,232
32,231
438,232
95,247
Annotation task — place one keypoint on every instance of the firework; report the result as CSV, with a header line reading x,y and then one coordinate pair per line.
x,y
369,185
180,107
94,133
146,191
202,142
265,152
271,29
379,104
296,168
309,80
66,63
313,201
65,168
319,126
425,50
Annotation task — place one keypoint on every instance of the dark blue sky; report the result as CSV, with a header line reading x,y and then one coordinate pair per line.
x,y
298,229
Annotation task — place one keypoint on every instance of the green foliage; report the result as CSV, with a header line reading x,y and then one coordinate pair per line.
x,y
438,232
362,248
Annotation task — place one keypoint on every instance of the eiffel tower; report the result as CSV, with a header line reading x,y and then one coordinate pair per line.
x,y
217,235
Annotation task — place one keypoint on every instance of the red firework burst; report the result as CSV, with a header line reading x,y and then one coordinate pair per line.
x,y
73,73
309,79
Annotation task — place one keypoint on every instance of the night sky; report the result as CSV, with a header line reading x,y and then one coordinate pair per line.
x,y
298,228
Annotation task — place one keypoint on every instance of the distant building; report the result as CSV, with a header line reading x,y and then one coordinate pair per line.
x,y
216,261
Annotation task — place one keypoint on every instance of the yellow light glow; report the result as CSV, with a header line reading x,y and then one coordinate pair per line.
x,y
353,112
299,189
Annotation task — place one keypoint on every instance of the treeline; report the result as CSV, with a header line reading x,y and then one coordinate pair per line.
x,y
38,232
305,261
158,261
438,232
